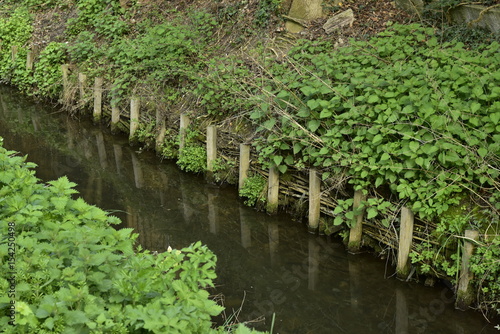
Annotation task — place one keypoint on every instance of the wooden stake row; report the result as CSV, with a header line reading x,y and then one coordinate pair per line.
x,y
403,267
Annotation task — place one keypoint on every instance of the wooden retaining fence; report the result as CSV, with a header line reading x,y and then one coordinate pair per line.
x,y
299,188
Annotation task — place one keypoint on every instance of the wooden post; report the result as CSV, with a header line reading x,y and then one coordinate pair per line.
x,y
134,117
182,131
314,200
273,187
29,60
13,52
244,165
465,293
162,131
115,117
65,72
357,229
405,239
97,99
82,78
211,150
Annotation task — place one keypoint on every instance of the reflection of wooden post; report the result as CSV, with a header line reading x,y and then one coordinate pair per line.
x,y
134,117
401,313
274,241
314,200
29,60
355,273
313,263
273,190
212,213
357,229
465,293
101,150
97,99
246,232
138,177
244,164
162,130
182,130
118,157
405,238
211,150
82,78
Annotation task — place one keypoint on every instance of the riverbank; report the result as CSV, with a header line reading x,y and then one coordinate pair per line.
x,y
300,109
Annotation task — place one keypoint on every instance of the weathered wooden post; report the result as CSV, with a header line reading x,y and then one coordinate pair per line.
x,y
465,293
162,131
65,72
13,52
244,165
356,231
273,186
96,115
134,117
314,200
211,150
405,240
29,60
82,79
184,123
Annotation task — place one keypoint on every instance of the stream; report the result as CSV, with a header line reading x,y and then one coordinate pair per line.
x,y
266,264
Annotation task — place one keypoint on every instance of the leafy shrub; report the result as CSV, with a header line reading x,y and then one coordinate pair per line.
x,y
394,110
193,158
253,190
74,273
48,75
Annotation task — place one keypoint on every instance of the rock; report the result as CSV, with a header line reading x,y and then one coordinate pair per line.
x,y
339,20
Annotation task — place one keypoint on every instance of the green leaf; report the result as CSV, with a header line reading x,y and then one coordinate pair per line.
x,y
371,213
414,146
313,125
482,152
277,159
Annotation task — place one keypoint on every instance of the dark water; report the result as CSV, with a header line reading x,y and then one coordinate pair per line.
x,y
266,264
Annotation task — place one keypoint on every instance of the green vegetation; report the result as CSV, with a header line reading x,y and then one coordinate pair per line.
x,y
403,114
75,273
254,190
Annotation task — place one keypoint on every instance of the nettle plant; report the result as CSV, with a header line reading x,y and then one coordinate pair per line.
x,y
76,274
400,110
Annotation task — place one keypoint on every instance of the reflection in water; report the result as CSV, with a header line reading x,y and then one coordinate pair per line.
x,y
265,265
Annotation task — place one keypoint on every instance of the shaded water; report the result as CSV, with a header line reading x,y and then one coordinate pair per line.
x,y
266,264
